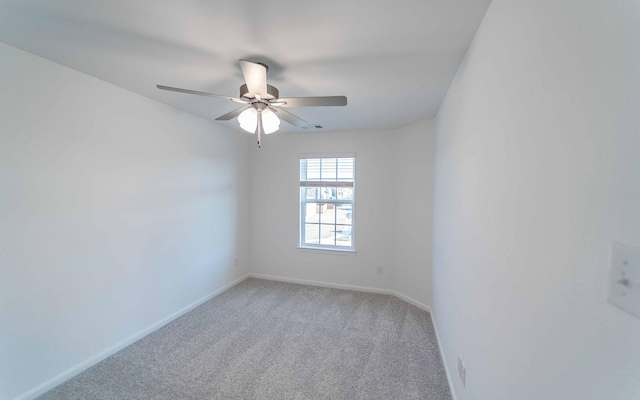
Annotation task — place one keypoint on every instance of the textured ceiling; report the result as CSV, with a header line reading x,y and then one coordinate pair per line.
x,y
394,60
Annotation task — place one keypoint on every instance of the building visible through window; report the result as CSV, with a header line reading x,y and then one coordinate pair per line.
x,y
326,202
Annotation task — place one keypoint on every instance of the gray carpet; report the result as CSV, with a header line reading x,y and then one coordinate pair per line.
x,y
272,340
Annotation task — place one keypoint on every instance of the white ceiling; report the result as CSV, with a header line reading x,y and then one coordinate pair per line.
x,y
394,60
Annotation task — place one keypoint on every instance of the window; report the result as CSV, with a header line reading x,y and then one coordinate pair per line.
x,y
326,202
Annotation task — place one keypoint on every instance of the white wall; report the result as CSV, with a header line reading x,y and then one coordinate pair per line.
x,y
537,172
116,211
415,146
275,205
380,156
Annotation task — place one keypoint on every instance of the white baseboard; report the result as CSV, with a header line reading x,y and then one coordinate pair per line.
x,y
75,370
444,360
319,283
343,286
412,301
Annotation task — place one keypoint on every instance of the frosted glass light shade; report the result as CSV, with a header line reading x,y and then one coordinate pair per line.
x,y
270,121
248,120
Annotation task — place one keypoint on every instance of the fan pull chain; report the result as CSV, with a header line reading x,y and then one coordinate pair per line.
x,y
259,128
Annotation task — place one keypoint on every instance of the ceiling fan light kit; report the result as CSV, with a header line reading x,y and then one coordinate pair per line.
x,y
260,115
248,120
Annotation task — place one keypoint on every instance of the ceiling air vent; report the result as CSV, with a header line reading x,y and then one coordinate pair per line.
x,y
311,126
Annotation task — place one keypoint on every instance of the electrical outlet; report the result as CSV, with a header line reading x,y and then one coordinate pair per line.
x,y
380,269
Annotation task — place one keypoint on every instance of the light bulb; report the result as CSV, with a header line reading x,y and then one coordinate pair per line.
x,y
248,120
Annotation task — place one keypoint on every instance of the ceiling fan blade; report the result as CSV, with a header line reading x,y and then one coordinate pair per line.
x,y
174,89
290,118
255,75
232,114
324,101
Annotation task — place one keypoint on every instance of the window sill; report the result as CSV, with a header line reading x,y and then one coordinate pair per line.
x,y
326,250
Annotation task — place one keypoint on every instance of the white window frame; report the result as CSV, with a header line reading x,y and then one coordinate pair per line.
x,y
337,184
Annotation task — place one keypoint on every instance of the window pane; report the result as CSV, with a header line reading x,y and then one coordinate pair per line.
x,y
312,214
343,214
328,234
343,235
328,213
345,193
328,193
311,233
312,193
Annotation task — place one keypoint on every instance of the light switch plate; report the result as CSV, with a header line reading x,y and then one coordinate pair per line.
x,y
624,281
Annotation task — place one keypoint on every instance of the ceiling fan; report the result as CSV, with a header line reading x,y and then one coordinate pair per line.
x,y
263,106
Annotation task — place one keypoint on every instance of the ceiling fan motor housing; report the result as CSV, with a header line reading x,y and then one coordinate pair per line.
x,y
272,93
